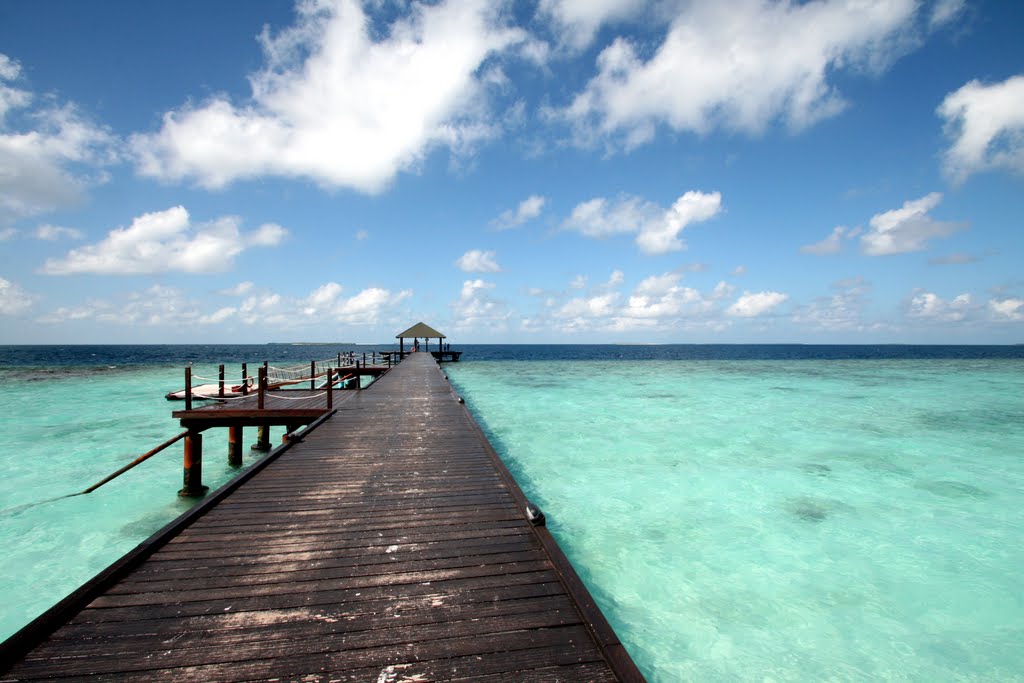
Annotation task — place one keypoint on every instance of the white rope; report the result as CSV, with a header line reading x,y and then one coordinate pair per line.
x,y
215,397
293,398
227,380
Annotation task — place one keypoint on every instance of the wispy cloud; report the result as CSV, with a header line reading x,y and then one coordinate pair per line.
x,y
955,259
527,210
52,233
832,244
13,299
478,261
907,228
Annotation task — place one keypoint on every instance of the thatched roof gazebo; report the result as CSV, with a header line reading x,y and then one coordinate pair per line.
x,y
415,332
424,331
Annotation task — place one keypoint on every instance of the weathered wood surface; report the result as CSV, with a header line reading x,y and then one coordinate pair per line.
x,y
389,545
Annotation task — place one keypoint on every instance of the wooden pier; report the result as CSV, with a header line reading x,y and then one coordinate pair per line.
x,y
386,542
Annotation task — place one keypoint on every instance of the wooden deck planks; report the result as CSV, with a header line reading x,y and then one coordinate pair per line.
x,y
388,545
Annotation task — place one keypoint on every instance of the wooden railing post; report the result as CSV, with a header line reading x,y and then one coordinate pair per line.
x,y
245,379
193,469
188,387
330,388
220,381
262,388
312,374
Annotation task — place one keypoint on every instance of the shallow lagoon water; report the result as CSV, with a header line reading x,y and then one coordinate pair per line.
x,y
736,519
64,431
781,520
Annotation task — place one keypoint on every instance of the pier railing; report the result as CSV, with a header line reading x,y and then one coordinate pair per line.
x,y
258,403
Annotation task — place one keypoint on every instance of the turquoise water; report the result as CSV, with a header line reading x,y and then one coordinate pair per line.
x,y
736,520
781,520
63,433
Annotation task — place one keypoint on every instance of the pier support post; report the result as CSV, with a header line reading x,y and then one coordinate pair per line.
x,y
235,446
262,439
193,471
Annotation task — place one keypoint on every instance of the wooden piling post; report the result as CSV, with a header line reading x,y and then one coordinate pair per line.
x,y
262,439
193,469
220,381
235,446
245,379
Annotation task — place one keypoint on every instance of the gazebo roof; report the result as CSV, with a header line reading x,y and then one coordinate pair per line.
x,y
420,330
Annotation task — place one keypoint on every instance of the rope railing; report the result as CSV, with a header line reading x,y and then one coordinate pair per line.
x,y
271,377
227,380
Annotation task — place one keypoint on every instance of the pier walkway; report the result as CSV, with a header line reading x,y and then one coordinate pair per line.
x,y
389,545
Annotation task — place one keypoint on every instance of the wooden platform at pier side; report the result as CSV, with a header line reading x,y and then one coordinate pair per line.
x,y
390,544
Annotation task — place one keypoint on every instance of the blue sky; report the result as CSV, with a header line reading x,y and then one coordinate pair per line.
x,y
552,171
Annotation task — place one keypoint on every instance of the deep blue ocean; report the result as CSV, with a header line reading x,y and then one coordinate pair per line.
x,y
63,356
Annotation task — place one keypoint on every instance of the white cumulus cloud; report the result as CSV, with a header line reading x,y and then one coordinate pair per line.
x,y
321,298
657,229
661,299
368,306
344,99
907,228
931,307
49,163
478,261
751,305
578,20
986,126
1007,309
740,65
164,241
